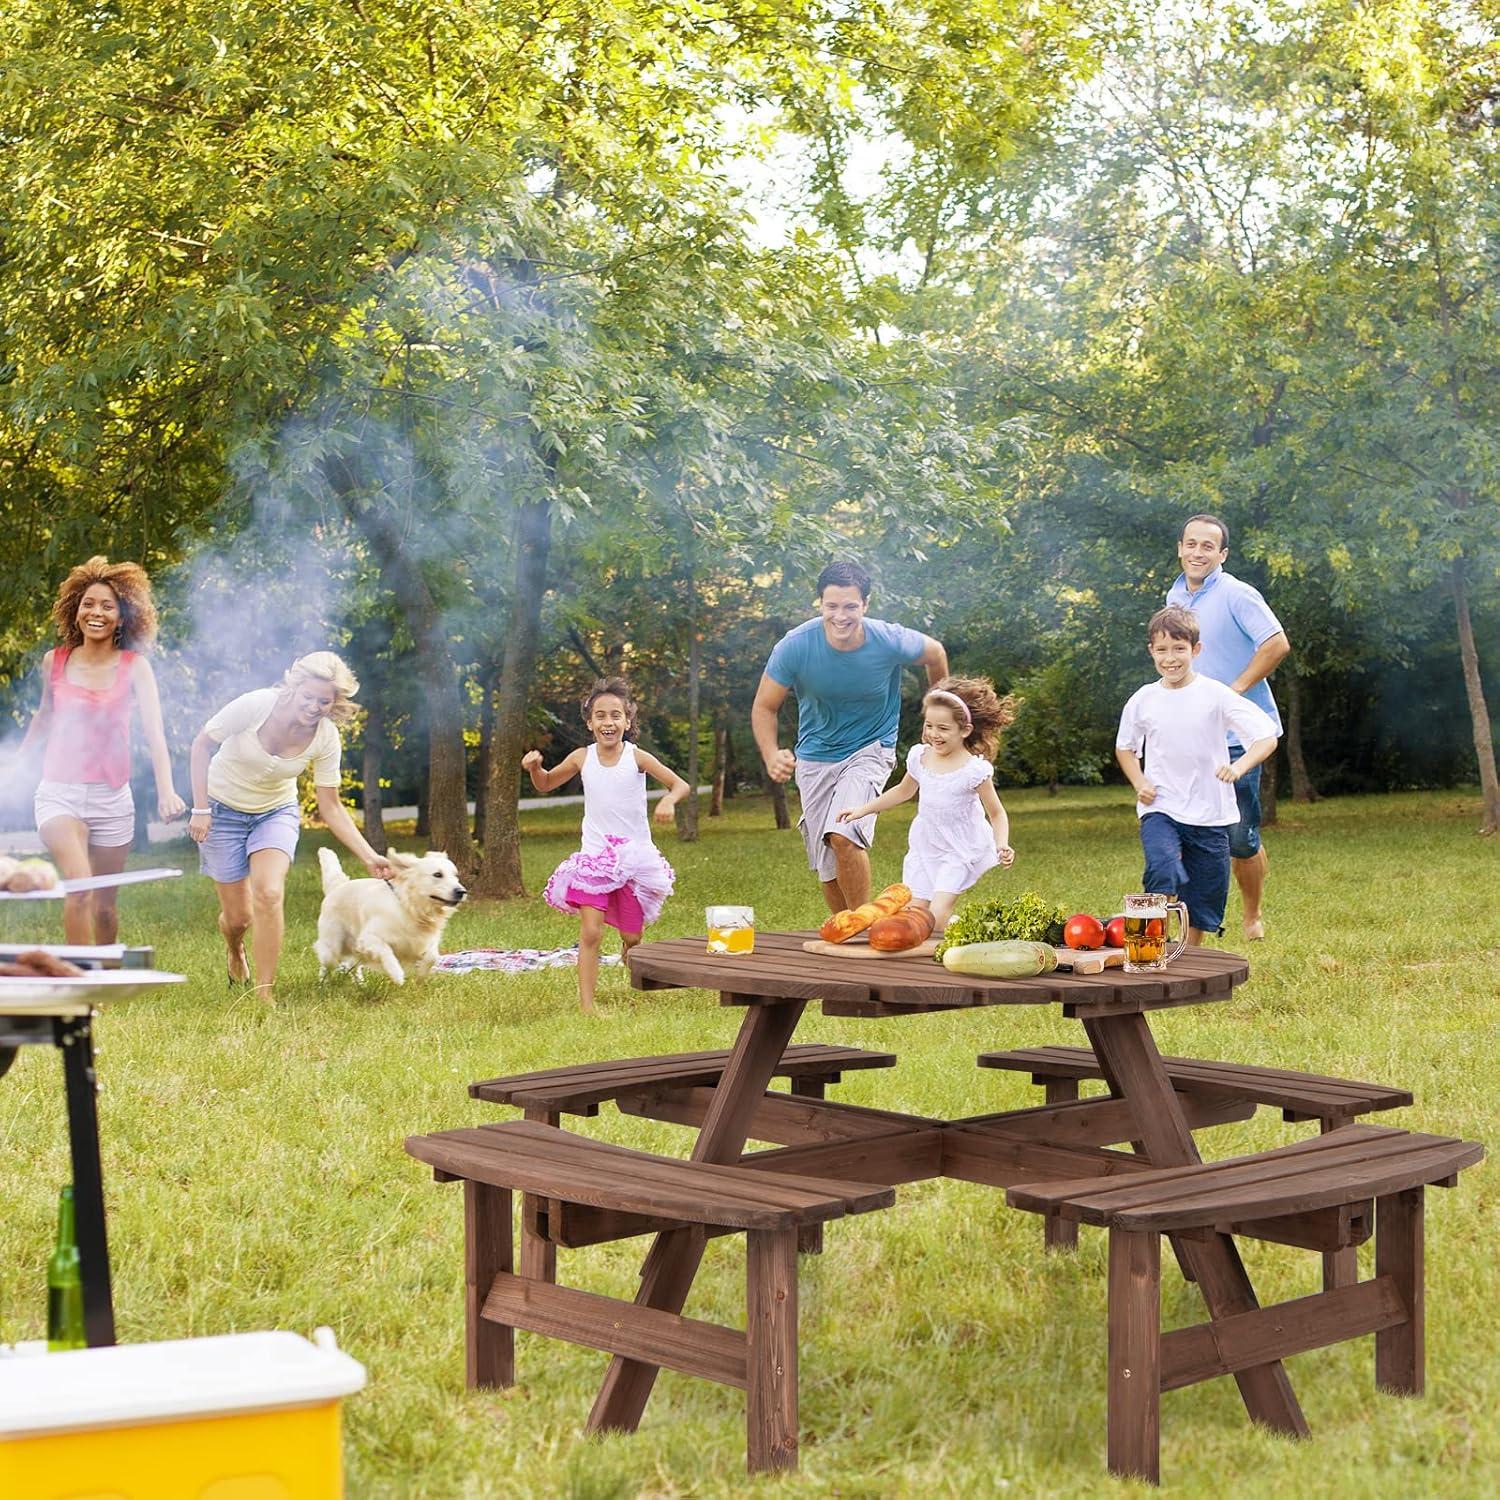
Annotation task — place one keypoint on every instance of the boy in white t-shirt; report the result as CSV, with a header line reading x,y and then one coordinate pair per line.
x,y
1185,796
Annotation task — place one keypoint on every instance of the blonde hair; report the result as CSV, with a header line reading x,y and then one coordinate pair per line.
x,y
325,666
132,590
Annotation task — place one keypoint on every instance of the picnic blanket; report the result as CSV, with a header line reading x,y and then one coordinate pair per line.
x,y
512,960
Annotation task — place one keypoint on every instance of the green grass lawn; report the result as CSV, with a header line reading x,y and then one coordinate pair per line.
x,y
256,1179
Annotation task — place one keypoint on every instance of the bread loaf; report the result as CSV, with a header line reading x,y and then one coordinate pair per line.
x,y
846,924
904,930
892,899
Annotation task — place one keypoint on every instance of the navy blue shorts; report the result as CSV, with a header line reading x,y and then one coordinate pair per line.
x,y
1189,862
1244,837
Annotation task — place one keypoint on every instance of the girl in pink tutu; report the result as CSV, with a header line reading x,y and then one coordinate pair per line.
x,y
618,876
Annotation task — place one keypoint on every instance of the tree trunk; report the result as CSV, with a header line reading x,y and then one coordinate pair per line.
x,y
423,828
374,754
687,809
777,790
721,768
1479,713
500,874
1269,781
447,780
486,762
1302,788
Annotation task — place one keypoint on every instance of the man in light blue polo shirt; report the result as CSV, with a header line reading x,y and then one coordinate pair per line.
x,y
1243,643
845,669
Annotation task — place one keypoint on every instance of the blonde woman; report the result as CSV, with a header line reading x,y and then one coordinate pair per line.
x,y
245,817
93,683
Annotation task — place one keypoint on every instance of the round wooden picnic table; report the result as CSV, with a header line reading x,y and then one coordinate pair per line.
x,y
777,980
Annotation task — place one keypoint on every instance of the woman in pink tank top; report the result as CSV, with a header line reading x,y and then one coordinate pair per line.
x,y
91,684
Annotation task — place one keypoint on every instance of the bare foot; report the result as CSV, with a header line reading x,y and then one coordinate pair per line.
x,y
264,993
1255,930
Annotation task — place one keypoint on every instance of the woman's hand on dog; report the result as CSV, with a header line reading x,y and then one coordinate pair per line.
x,y
380,867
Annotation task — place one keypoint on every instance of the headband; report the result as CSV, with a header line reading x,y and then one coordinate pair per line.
x,y
944,696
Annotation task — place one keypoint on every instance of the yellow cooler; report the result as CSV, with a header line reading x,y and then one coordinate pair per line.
x,y
244,1416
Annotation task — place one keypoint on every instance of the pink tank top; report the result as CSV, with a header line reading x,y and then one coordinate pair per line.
x,y
90,735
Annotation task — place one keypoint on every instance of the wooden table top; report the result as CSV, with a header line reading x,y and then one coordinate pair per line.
x,y
779,969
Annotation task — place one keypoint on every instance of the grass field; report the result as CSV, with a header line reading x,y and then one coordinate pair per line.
x,y
256,1179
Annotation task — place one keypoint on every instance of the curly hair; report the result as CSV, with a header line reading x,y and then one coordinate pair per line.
x,y
132,589
612,687
325,666
988,712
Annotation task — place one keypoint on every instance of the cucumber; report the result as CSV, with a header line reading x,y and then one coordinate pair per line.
x,y
1010,960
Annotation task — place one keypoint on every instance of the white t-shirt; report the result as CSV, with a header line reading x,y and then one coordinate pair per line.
x,y
245,775
1182,730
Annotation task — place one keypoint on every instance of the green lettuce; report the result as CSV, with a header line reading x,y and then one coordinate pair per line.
x,y
1000,919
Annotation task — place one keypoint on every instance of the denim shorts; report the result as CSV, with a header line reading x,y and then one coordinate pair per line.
x,y
1190,862
233,836
1244,837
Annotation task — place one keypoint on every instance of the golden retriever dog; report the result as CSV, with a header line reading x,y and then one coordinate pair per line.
x,y
395,924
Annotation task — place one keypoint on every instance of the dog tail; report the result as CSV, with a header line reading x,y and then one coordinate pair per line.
x,y
333,873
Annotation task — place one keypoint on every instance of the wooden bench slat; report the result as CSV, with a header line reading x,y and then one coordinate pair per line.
x,y
1342,1167
578,1317
1309,1092
549,1162
592,1083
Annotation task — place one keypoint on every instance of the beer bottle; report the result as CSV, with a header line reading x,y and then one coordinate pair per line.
x,y
65,1281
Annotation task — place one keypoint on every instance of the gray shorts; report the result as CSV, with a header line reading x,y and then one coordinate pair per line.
x,y
829,786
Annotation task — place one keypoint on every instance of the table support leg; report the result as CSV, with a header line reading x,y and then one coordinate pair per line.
x,y
672,1261
74,1037
1133,1066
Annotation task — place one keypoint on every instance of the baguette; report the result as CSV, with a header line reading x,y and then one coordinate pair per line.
x,y
846,924
892,899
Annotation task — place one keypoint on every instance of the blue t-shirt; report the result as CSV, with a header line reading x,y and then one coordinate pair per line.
x,y
1233,621
845,699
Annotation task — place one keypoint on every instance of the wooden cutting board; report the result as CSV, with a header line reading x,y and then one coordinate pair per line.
x,y
1089,960
1076,960
854,948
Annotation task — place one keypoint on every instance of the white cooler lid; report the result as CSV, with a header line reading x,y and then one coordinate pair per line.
x,y
136,1383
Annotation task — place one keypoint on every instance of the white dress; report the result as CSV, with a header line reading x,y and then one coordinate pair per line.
x,y
619,870
951,842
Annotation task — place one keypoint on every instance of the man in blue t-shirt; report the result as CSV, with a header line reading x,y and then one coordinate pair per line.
x,y
1243,643
845,669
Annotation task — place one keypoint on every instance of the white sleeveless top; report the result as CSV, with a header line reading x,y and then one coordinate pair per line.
x,y
614,799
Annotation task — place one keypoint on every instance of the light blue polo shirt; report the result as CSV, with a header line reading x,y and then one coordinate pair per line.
x,y
845,699
1233,621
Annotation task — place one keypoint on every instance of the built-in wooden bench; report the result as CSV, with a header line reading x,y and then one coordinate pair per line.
x,y
1300,1096
492,1161
580,1089
1348,1167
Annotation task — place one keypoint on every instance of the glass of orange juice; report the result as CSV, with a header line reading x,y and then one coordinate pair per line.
x,y
731,929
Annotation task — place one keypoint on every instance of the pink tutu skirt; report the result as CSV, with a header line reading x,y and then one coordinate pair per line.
x,y
627,880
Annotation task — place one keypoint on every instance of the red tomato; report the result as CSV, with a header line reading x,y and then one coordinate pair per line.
x,y
1114,933
1083,931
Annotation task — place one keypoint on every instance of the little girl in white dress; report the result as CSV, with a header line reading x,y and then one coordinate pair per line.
x,y
619,877
961,828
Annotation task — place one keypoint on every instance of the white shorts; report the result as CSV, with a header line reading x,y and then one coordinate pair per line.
x,y
109,811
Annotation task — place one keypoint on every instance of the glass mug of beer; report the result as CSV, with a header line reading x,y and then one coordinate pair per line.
x,y
731,929
1147,948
